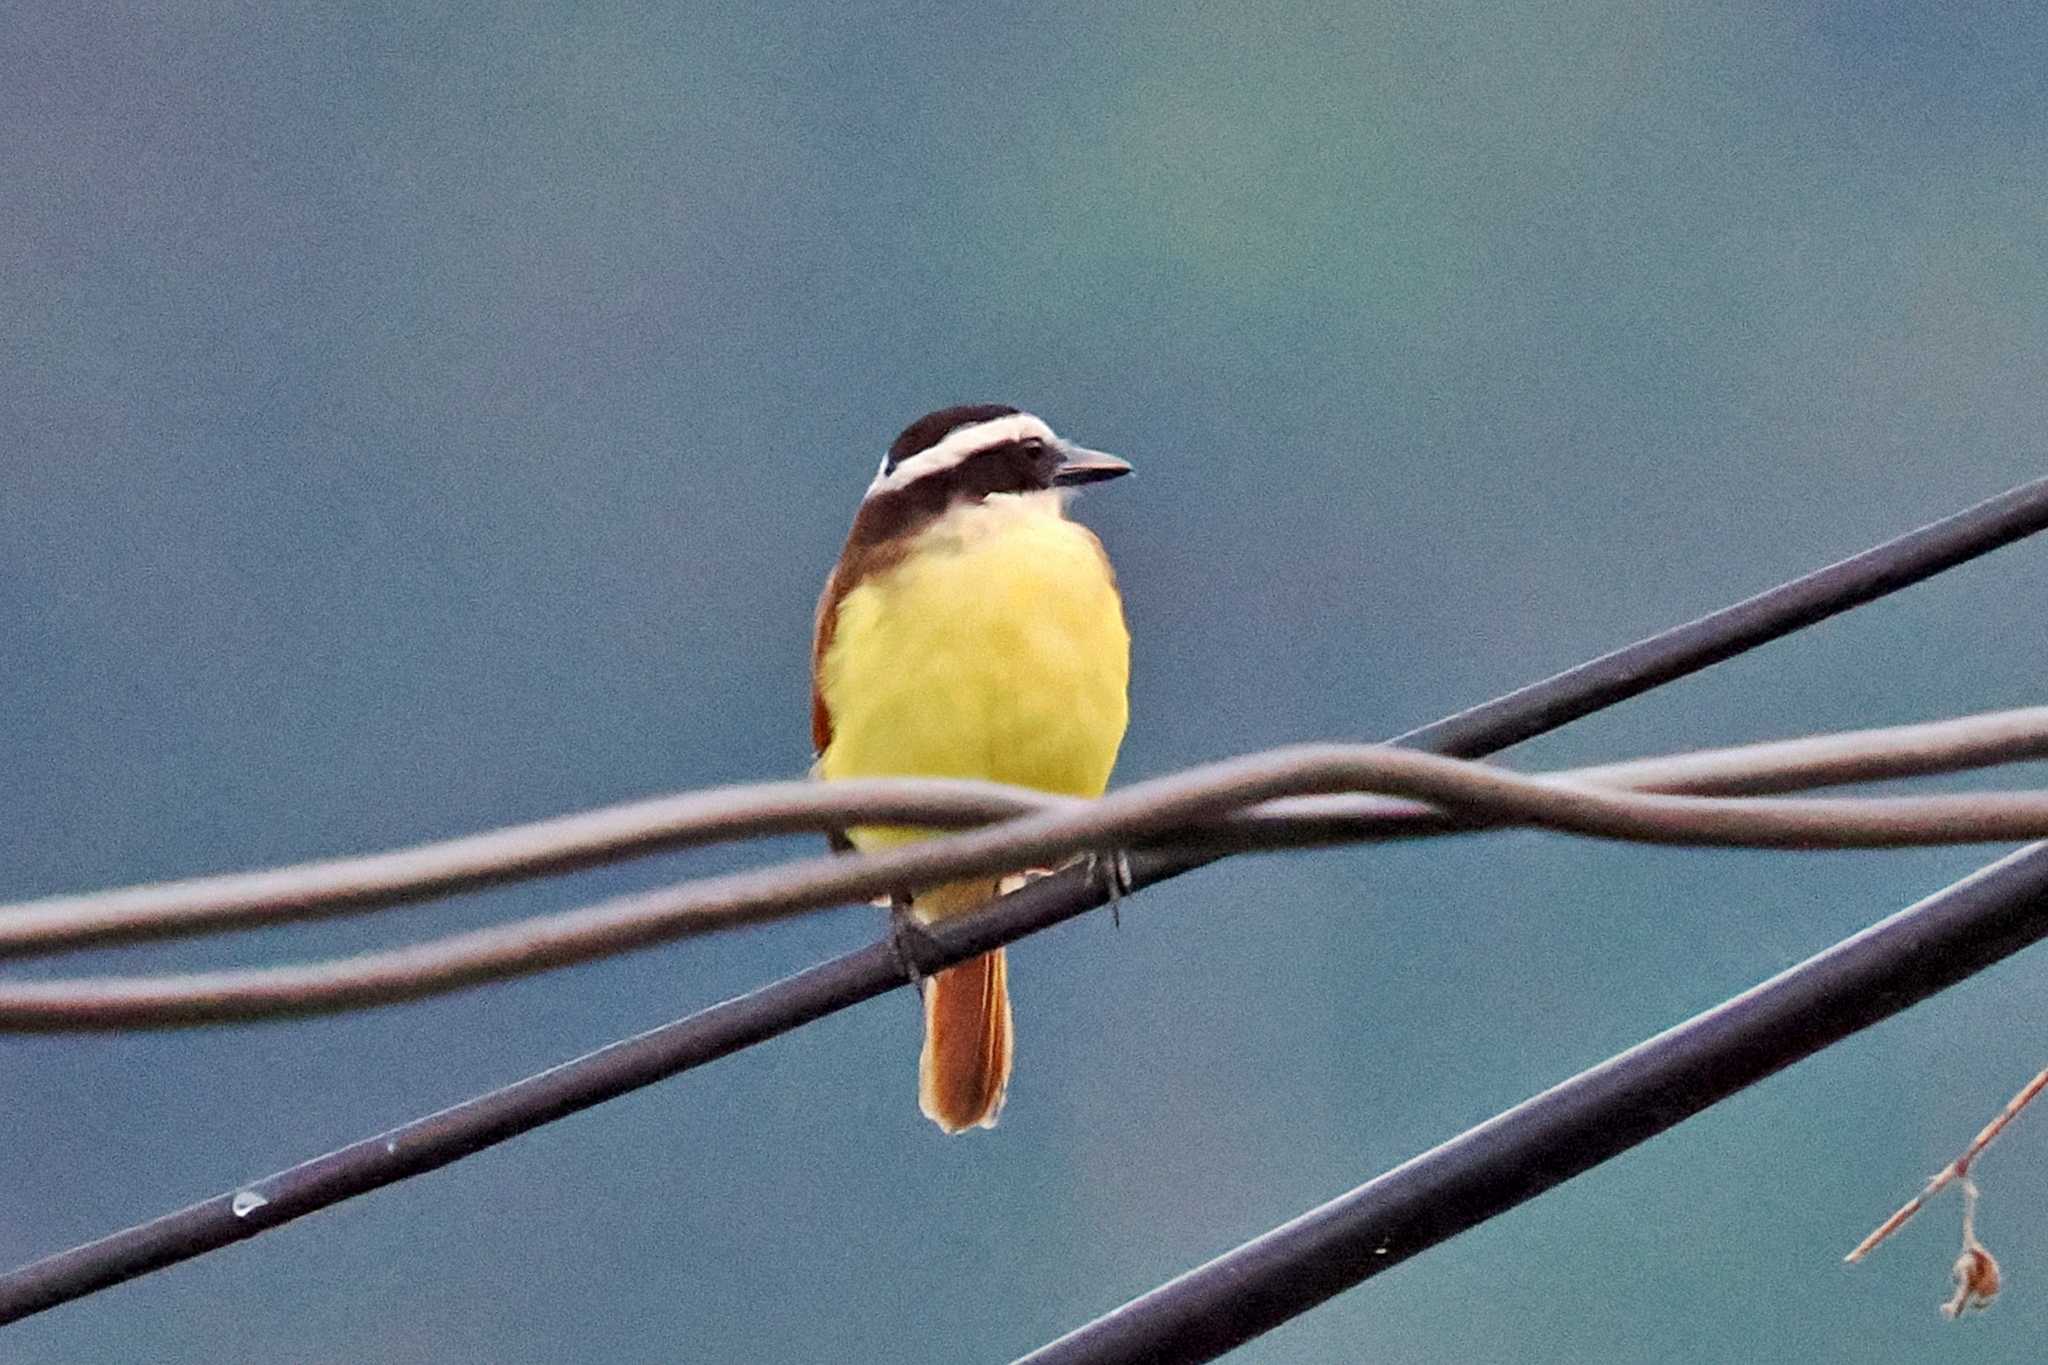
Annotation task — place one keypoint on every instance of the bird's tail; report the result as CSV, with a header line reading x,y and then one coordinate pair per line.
x,y
965,1067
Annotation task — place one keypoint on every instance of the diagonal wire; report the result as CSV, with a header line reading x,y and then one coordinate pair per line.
x,y
1669,655
568,843
1573,1127
429,1143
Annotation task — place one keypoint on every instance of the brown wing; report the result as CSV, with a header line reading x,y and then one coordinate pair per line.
x,y
873,547
821,715
821,640
869,548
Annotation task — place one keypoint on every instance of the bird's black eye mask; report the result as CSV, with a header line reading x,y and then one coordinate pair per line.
x,y
1041,459
1026,466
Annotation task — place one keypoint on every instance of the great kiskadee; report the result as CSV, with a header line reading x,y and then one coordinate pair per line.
x,y
971,630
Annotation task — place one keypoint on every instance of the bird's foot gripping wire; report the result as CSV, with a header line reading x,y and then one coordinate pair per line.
x,y
911,944
1111,870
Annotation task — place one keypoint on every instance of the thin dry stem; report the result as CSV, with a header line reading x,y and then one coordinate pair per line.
x,y
1959,1169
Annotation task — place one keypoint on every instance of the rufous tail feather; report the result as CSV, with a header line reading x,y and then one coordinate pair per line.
x,y
965,1067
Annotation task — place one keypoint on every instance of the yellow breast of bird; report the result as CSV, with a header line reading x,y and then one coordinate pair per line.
x,y
995,648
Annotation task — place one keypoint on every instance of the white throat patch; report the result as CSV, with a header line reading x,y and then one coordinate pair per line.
x,y
959,445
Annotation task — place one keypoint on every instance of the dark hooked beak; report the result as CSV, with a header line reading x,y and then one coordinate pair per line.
x,y
1079,465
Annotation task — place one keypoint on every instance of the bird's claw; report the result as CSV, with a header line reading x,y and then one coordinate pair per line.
x,y
1111,870
910,944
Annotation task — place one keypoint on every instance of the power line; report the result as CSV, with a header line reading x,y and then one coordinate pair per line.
x,y
1573,1127
1669,655
439,1139
1209,804
274,896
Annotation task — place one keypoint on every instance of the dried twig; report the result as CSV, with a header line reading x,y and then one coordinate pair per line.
x,y
1959,1169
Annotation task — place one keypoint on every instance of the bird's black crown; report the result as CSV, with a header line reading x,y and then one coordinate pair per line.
x,y
934,427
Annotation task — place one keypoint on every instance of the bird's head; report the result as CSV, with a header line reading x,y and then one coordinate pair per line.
x,y
975,449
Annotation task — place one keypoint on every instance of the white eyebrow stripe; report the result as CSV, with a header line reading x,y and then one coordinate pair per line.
x,y
958,445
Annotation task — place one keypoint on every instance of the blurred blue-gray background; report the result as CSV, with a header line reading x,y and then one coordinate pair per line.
x,y
419,418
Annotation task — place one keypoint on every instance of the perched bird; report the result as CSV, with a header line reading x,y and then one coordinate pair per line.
x,y
970,630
